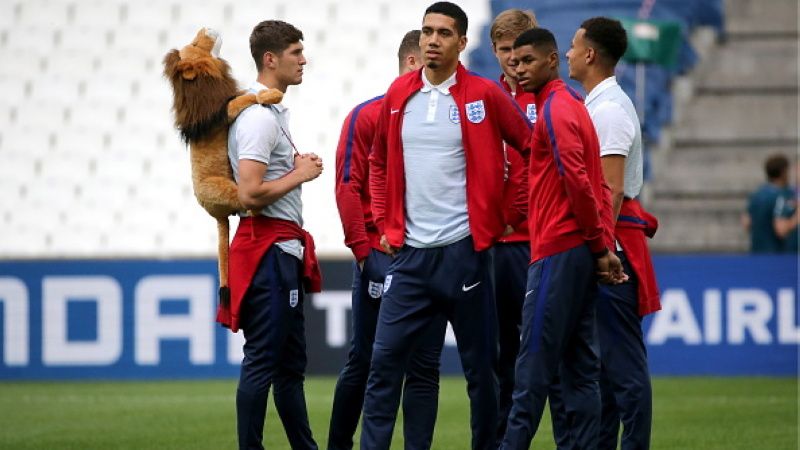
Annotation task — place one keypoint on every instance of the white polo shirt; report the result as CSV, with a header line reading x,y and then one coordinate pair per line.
x,y
435,167
618,130
258,134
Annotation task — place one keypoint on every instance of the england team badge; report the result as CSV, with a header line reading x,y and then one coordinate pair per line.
x,y
454,117
294,297
475,111
531,112
386,283
375,290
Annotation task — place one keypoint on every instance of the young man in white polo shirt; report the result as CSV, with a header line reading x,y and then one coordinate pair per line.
x,y
625,380
272,258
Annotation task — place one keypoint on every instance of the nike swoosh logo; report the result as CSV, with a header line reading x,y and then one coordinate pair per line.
x,y
529,292
466,288
394,111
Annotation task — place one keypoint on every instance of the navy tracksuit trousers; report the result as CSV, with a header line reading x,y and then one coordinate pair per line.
x,y
558,334
421,284
624,378
511,262
274,353
421,390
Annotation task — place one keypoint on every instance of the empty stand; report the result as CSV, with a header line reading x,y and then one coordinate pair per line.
x,y
738,107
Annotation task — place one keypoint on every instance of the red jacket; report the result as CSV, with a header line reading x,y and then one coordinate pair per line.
x,y
633,225
517,165
352,177
570,203
253,238
493,118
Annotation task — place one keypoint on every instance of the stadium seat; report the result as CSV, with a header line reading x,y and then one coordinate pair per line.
x,y
35,41
92,13
45,13
33,116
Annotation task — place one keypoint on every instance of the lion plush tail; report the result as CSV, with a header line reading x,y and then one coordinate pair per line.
x,y
223,249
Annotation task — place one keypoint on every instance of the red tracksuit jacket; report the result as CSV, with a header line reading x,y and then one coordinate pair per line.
x,y
634,224
517,165
352,178
570,203
482,136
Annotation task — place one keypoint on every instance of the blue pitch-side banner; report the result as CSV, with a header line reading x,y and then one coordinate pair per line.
x,y
723,315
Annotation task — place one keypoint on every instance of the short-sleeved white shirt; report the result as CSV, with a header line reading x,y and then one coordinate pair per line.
x,y
618,130
258,134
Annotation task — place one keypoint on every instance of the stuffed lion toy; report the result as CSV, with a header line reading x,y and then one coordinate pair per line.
x,y
206,100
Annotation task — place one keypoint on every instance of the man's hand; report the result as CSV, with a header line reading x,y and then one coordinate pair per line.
x,y
391,251
609,269
308,166
509,230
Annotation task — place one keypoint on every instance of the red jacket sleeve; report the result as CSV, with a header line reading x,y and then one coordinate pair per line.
x,y
377,167
355,141
564,133
516,130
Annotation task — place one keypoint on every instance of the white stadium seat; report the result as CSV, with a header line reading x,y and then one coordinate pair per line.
x,y
107,13
44,13
34,41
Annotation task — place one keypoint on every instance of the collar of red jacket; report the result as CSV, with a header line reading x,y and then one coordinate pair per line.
x,y
549,88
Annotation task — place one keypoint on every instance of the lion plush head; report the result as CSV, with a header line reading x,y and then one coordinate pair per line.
x,y
202,85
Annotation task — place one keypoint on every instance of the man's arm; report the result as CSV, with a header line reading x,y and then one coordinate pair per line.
x,y
351,179
615,133
614,173
565,140
257,134
255,193
783,223
377,174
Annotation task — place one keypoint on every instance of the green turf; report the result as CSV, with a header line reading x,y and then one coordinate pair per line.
x,y
689,413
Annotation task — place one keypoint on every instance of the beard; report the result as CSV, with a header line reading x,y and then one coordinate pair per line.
x,y
432,64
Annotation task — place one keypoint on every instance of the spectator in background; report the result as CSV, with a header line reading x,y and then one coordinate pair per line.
x,y
771,210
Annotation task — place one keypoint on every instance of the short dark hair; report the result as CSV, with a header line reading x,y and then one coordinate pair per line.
x,y
776,166
608,37
272,36
537,37
409,45
453,11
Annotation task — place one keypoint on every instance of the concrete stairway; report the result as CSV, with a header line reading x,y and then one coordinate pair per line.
x,y
738,106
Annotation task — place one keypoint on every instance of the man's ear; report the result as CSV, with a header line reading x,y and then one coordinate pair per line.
x,y
554,60
268,60
591,55
462,43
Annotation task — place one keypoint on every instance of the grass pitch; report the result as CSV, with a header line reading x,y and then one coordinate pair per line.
x,y
689,413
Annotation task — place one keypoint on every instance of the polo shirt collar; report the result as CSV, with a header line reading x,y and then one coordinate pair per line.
x,y
443,88
600,88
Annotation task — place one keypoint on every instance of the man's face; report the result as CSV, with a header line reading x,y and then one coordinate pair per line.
x,y
534,66
439,41
289,64
578,56
502,50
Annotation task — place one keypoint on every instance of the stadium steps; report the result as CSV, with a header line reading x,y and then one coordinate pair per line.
x,y
736,108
